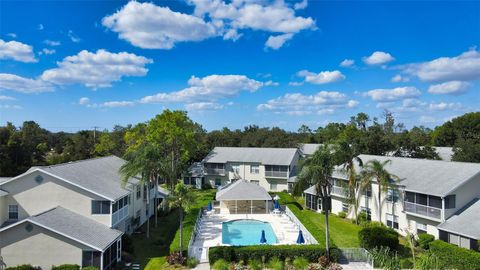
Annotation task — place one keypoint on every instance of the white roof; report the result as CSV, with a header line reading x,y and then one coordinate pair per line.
x,y
434,177
242,190
266,156
465,222
445,153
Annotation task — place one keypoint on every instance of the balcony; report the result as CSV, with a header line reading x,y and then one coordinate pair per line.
x,y
276,174
215,171
340,191
119,215
423,210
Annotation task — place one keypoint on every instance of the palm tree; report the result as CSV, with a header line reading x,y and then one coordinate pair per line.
x,y
144,163
375,170
347,154
317,171
183,199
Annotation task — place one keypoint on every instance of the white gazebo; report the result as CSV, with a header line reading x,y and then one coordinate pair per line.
x,y
243,197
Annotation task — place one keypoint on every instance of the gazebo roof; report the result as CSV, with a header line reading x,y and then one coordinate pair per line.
x,y
243,190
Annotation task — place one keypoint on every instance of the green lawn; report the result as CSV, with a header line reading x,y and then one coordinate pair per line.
x,y
343,233
151,253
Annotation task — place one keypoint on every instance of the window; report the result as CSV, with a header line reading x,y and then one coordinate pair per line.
x,y
138,213
421,199
453,239
100,207
139,192
410,197
273,186
464,242
345,207
218,182
256,182
91,258
368,212
392,221
450,202
434,201
13,212
368,192
236,168
254,169
421,228
392,195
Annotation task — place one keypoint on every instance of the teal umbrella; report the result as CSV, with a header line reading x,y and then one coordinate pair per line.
x,y
263,240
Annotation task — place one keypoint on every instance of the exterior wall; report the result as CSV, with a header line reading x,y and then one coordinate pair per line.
x,y
38,247
33,198
137,205
465,194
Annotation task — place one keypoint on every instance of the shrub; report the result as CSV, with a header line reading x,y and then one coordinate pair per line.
x,y
378,235
127,243
362,218
342,215
220,265
276,264
255,264
175,258
206,186
427,261
66,267
453,257
245,253
90,268
192,262
300,263
21,267
424,240
385,259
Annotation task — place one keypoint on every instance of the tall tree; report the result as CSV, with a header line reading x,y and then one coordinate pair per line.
x,y
144,162
183,199
317,171
374,171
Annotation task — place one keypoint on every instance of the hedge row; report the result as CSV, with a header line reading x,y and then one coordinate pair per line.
x,y
21,267
66,267
453,257
376,235
245,253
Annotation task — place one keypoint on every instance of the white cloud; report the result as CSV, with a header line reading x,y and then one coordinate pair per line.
x,y
11,107
427,119
207,89
452,88
40,27
276,42
203,106
295,83
84,101
148,26
323,77
47,51
442,106
347,63
299,104
271,83
12,35
378,58
162,28
301,5
17,51
6,98
386,95
115,104
23,85
52,43
399,78
74,38
96,70
465,67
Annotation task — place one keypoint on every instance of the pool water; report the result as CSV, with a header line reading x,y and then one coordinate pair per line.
x,y
246,232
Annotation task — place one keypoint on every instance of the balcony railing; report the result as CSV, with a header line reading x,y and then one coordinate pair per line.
x,y
276,174
215,171
119,215
423,210
339,191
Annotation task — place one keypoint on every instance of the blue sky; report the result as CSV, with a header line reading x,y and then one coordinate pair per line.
x,y
77,64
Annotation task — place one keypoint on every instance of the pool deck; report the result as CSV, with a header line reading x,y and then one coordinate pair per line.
x,y
210,231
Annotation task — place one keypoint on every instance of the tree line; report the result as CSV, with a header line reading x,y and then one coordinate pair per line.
x,y
187,141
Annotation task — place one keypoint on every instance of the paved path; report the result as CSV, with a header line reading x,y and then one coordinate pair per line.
x,y
349,266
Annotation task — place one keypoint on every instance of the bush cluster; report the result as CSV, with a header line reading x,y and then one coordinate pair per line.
x,y
176,258
206,186
66,267
90,268
378,235
245,253
22,267
424,240
342,215
453,257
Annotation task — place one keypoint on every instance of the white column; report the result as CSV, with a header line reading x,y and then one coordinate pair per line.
x,y
251,206
266,207
101,261
236,207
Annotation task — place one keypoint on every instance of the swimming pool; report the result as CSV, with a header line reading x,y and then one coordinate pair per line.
x,y
246,232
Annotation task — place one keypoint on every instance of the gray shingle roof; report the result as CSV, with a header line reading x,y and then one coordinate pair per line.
x,y
100,175
311,190
465,221
445,153
435,177
3,179
76,227
309,148
242,190
3,193
266,156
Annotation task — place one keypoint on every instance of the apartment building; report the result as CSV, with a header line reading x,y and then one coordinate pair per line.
x,y
437,197
70,213
274,169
